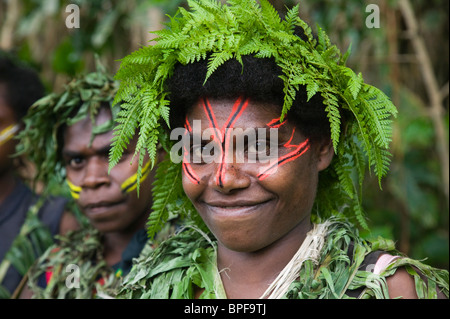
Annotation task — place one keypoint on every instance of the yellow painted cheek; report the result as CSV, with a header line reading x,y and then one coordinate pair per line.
x,y
8,133
130,184
74,190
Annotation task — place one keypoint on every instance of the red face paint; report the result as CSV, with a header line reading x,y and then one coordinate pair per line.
x,y
223,135
298,151
187,168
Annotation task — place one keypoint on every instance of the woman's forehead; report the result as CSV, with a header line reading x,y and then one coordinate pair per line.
x,y
79,134
239,112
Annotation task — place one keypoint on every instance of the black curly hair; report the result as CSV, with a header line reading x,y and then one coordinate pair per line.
x,y
258,79
22,85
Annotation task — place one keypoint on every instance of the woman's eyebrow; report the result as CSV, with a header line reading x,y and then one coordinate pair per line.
x,y
70,153
99,151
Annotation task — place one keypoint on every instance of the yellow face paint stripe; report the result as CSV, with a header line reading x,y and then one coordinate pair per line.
x,y
74,190
8,133
130,184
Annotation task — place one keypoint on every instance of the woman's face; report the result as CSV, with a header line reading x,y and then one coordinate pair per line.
x,y
110,201
250,205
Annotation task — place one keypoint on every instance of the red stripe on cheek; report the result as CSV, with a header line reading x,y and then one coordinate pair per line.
x,y
299,151
190,173
275,123
187,168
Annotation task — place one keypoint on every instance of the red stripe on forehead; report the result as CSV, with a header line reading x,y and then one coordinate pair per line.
x,y
222,135
238,108
187,125
209,113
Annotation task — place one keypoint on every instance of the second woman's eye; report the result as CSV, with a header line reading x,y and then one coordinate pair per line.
x,y
76,162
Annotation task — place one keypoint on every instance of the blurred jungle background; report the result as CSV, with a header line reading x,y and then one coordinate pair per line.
x,y
405,53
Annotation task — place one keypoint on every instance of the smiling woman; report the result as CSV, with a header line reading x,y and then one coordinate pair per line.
x,y
267,230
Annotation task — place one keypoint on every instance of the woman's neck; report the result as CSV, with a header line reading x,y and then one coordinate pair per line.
x,y
116,242
249,274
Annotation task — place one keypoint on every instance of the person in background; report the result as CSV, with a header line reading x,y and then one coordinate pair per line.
x,y
28,222
77,126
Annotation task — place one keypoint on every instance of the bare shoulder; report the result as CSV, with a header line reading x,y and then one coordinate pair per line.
x,y
401,284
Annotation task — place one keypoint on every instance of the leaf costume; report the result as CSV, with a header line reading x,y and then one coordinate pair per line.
x,y
187,262
76,268
359,116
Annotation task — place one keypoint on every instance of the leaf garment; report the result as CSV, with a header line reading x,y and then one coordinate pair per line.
x,y
76,268
187,262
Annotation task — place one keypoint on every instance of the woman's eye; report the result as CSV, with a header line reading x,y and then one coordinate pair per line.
x,y
76,162
196,151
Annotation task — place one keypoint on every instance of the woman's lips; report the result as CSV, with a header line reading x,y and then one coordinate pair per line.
x,y
235,208
101,207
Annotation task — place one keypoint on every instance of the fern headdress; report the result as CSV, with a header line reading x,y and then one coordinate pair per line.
x,y
221,32
40,141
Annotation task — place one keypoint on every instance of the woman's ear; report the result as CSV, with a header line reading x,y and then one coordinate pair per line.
x,y
325,153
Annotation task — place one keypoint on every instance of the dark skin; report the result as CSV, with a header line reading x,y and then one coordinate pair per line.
x,y
116,214
260,224
7,166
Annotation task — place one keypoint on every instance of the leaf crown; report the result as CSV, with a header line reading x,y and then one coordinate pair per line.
x,y
220,32
40,140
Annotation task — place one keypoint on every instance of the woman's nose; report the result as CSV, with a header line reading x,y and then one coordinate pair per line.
x,y
96,173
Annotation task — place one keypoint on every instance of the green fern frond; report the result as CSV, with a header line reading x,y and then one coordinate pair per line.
x,y
270,16
166,190
124,131
216,60
354,83
332,108
358,212
291,18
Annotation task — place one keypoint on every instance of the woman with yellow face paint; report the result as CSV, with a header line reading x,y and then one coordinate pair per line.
x,y
19,207
116,209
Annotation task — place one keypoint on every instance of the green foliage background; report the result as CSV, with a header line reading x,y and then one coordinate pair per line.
x,y
413,207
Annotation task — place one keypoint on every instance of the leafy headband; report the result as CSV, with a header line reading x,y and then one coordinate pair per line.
x,y
82,97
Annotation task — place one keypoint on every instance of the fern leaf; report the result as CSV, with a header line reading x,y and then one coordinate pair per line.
x,y
216,60
291,18
332,108
123,132
166,189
